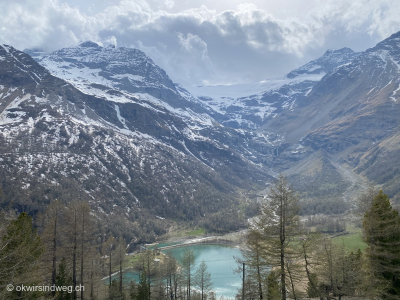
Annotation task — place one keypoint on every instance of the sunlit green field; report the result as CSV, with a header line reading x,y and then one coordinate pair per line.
x,y
200,231
352,241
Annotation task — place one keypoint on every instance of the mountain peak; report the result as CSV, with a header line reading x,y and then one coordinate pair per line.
x,y
89,44
392,44
394,35
327,62
7,48
340,51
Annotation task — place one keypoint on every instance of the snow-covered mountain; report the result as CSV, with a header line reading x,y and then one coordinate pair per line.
x,y
118,74
353,114
108,124
125,154
326,63
251,105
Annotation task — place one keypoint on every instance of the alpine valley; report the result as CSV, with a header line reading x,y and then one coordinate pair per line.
x,y
108,125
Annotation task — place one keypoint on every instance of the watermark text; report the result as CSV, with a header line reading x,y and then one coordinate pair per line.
x,y
44,288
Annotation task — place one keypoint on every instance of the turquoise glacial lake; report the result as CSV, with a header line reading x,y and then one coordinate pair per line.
x,y
220,264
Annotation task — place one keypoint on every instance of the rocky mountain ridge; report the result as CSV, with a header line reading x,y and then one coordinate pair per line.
x,y
133,159
111,123
111,73
250,106
353,114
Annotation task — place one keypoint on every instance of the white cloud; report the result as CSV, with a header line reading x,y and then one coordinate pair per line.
x,y
205,41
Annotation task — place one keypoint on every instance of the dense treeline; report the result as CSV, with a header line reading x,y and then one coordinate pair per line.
x,y
67,245
325,224
69,249
43,164
136,222
283,261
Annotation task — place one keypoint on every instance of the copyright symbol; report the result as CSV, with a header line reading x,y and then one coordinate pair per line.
x,y
10,287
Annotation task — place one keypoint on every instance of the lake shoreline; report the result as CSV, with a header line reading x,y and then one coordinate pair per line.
x,y
233,239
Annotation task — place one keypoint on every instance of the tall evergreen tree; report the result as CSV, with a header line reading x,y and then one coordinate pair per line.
x,y
114,292
20,250
63,279
273,291
143,291
133,290
381,227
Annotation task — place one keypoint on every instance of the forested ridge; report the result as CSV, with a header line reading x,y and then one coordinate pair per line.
x,y
286,260
283,258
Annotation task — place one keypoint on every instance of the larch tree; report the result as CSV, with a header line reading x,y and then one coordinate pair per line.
x,y
202,280
52,222
255,264
108,248
86,229
120,251
311,261
72,235
188,263
278,224
79,231
338,271
171,268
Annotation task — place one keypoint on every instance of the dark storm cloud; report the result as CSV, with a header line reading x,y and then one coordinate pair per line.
x,y
205,42
248,46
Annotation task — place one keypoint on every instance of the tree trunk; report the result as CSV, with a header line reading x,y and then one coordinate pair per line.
x,y
148,271
282,245
170,288
202,286
189,284
259,277
54,268
120,275
91,281
110,267
175,287
74,257
291,282
82,259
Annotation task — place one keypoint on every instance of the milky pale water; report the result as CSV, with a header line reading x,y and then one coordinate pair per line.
x,y
220,264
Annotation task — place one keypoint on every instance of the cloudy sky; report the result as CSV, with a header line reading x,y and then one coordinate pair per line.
x,y
205,42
